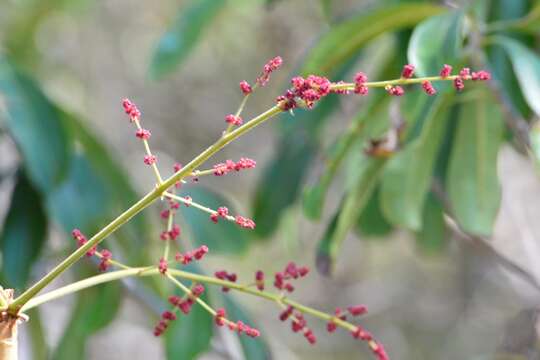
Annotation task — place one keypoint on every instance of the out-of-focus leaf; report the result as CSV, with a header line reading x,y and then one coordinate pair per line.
x,y
40,349
343,40
436,41
223,237
353,203
280,183
473,187
534,136
371,221
176,44
323,261
253,348
23,234
96,307
526,66
408,175
82,199
189,335
34,124
120,191
367,123
326,8
432,237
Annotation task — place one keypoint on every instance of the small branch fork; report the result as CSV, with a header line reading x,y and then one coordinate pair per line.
x,y
304,93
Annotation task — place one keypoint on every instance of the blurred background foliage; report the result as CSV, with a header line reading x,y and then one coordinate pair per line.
x,y
67,162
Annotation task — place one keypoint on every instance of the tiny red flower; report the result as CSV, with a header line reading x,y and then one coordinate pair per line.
x,y
458,84
357,310
481,75
446,71
245,87
233,119
395,90
162,266
428,88
105,262
465,73
143,134
408,71
149,159
259,280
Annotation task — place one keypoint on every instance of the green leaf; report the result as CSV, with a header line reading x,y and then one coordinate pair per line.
x,y
436,41
280,182
408,175
224,237
253,348
534,136
36,330
343,40
353,203
369,122
82,200
473,187
526,66
189,335
431,239
176,44
34,125
96,307
371,221
23,234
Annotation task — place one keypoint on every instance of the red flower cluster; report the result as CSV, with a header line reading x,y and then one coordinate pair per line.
x,y
163,265
229,165
163,323
224,275
428,88
245,87
408,71
359,84
222,211
446,71
143,134
271,66
298,323
259,280
394,90
105,255
81,240
244,222
149,159
308,90
221,319
281,279
131,109
189,256
233,120
105,262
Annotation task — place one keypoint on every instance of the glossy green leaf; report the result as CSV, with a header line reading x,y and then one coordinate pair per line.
x,y
189,335
353,203
253,348
408,175
436,41
223,237
526,66
431,239
96,307
183,34
344,40
34,124
472,183
371,222
23,234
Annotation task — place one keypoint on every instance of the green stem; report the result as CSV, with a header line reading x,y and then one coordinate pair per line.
x,y
140,205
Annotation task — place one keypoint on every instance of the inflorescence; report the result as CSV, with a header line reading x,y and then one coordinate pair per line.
x,y
304,92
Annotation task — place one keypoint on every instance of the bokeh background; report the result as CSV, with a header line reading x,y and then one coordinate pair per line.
x,y
458,281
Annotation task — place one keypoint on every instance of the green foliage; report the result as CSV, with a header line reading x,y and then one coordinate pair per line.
x,y
432,237
184,33
224,237
95,308
473,187
24,233
189,335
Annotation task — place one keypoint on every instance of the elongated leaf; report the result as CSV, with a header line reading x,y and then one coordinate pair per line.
x,y
40,349
371,221
432,237
223,237
96,307
354,202
253,348
436,41
368,123
176,44
343,40
34,124
189,335
408,175
23,234
472,183
82,200
526,66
